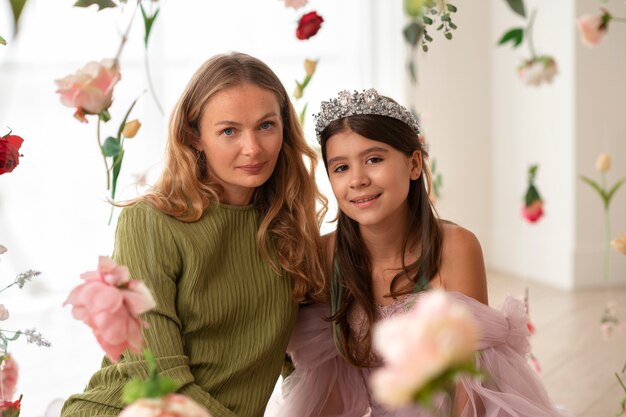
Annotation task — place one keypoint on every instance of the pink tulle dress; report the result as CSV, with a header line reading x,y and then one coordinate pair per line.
x,y
324,384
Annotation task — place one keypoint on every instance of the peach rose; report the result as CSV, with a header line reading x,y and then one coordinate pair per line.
x,y
172,405
593,27
110,303
90,90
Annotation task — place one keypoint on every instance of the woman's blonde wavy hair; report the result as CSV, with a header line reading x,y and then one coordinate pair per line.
x,y
287,202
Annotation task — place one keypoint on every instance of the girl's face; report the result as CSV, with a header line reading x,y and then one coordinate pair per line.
x,y
370,179
241,133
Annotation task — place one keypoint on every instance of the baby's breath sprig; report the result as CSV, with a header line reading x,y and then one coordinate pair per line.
x,y
22,278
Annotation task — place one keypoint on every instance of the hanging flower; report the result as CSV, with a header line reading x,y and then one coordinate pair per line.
x,y
90,90
593,27
10,409
172,405
532,207
110,303
308,25
296,4
537,71
619,244
424,350
9,376
4,313
9,152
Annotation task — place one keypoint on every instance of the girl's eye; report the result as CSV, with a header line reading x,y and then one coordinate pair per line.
x,y
228,131
373,160
266,125
340,168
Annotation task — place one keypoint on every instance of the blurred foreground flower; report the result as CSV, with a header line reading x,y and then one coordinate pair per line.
x,y
9,152
424,351
619,244
296,4
603,162
172,405
308,25
538,70
110,303
90,89
532,209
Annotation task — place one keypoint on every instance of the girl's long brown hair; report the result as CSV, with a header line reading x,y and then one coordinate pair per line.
x,y
352,275
287,202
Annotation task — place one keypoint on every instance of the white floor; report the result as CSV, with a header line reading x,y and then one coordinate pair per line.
x,y
578,365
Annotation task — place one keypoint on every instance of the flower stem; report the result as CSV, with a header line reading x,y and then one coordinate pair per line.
x,y
607,231
104,158
125,35
151,85
618,19
529,35
620,381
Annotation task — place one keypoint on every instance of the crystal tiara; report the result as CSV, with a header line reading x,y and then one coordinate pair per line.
x,y
367,102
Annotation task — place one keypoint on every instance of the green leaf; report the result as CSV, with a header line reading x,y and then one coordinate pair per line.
x,y
452,8
148,21
532,195
448,35
2,41
121,127
116,167
17,6
427,20
112,146
515,35
413,33
613,190
102,4
596,187
517,6
303,114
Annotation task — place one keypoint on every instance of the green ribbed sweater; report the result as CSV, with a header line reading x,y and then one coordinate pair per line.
x,y
223,317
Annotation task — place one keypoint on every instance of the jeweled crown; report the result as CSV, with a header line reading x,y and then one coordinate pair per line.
x,y
367,102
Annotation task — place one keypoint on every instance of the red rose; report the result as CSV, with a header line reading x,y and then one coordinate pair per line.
x,y
308,25
10,409
533,212
9,152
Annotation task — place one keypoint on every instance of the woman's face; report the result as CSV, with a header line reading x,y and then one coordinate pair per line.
x,y
241,133
370,179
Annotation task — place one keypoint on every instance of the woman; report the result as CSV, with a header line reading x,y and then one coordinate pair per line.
x,y
227,240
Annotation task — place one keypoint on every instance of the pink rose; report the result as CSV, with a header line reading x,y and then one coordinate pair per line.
x,y
438,335
110,303
90,90
9,378
308,25
172,405
533,212
9,153
10,409
593,27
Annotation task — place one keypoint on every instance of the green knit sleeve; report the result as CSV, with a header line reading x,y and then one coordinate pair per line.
x,y
145,244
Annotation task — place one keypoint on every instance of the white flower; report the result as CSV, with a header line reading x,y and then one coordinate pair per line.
x,y
538,70
33,336
24,277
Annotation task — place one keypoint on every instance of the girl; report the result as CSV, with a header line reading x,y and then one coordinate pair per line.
x,y
387,248
228,242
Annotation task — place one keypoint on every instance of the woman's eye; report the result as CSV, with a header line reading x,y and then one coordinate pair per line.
x,y
266,125
340,168
228,131
373,160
